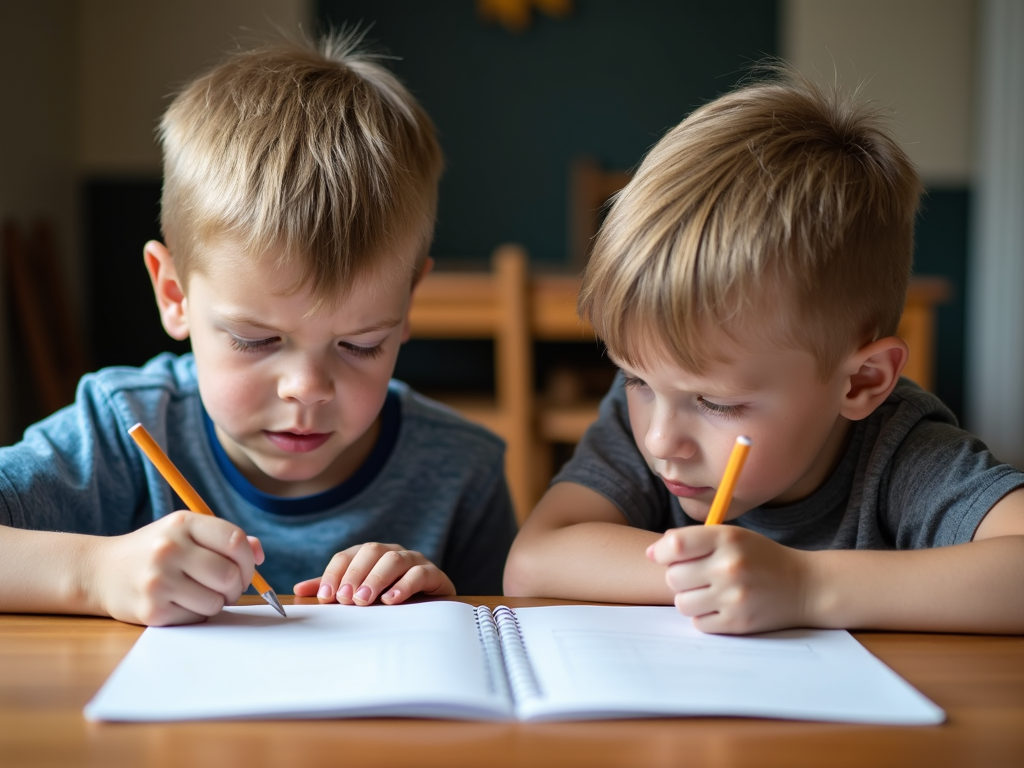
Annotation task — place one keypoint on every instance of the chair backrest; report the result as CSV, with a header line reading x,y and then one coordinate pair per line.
x,y
53,343
491,305
590,187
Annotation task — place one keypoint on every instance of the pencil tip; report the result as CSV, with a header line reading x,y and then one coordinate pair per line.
x,y
271,597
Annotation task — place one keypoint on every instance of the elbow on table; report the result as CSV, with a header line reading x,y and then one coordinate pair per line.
x,y
520,575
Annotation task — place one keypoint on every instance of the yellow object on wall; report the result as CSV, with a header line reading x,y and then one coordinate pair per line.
x,y
515,15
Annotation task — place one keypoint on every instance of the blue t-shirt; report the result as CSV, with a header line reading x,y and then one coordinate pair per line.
x,y
434,483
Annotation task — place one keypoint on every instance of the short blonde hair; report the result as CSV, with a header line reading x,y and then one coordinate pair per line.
x,y
779,206
314,154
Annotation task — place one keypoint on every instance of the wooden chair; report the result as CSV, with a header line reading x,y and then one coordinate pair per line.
x,y
917,326
37,291
494,305
590,186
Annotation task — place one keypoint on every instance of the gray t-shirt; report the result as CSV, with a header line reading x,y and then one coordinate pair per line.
x,y
440,489
908,478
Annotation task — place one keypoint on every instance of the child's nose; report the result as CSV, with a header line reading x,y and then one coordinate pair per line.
x,y
307,382
667,438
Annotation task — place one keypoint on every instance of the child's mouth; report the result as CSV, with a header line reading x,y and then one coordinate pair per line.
x,y
293,442
682,489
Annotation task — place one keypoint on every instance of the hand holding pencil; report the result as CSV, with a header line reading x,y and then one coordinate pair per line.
x,y
729,579
192,499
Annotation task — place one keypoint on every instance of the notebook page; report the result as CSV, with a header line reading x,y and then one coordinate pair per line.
x,y
420,660
607,661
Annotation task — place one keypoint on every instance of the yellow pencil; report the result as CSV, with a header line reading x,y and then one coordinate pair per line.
x,y
723,497
192,500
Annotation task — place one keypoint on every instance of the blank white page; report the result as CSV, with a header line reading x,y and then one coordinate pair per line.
x,y
602,661
420,660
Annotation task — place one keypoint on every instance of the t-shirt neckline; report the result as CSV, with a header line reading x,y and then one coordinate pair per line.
x,y
390,423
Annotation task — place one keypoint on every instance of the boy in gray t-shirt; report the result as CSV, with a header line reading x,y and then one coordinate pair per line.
x,y
749,280
300,187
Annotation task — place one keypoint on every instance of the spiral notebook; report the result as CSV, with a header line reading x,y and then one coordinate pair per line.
x,y
453,660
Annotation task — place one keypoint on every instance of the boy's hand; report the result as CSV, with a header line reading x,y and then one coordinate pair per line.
x,y
361,573
731,580
179,569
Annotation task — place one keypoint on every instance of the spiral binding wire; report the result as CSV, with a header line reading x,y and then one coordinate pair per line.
x,y
517,663
491,643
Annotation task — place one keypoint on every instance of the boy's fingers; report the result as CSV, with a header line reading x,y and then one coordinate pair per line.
x,y
307,588
257,550
223,538
176,599
695,602
167,614
426,578
333,573
198,599
363,562
172,615
391,566
213,572
681,544
719,624
686,576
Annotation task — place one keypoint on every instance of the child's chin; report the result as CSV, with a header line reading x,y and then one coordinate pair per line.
x,y
693,510
293,472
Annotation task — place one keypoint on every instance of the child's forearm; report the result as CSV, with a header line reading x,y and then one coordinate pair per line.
x,y
603,562
975,587
44,572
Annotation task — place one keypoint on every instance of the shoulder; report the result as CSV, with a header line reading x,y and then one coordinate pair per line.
x,y
934,480
909,404
153,392
912,422
173,374
439,429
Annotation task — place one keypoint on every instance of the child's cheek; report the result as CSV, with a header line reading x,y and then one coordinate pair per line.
x,y
233,394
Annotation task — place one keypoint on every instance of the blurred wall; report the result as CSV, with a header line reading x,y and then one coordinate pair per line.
x,y
995,363
513,109
132,54
914,56
38,175
917,58
86,81
82,86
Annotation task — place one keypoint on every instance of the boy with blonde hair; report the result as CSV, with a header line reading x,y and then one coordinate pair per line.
x,y
749,280
298,207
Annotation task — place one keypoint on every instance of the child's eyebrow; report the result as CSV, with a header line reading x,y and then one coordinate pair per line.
x,y
734,390
246,320
383,325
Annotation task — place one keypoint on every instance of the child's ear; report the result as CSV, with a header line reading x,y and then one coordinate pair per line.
x,y
874,371
424,270
170,294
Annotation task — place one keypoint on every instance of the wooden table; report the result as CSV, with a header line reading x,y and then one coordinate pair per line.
x,y
50,666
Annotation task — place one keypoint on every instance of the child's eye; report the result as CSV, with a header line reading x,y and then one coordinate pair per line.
x,y
731,411
631,381
245,345
365,352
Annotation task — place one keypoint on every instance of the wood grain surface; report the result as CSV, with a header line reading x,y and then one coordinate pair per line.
x,y
50,666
